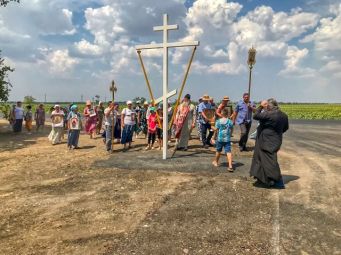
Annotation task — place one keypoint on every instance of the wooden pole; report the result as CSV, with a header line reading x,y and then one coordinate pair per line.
x,y
149,87
113,89
250,75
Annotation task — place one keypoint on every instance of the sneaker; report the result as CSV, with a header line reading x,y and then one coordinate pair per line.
x,y
147,148
230,169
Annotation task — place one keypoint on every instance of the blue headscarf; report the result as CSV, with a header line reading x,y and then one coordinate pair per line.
x,y
73,107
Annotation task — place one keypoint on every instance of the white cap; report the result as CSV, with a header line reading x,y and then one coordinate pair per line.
x,y
57,105
129,102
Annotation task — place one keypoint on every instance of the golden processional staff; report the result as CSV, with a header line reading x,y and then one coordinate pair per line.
x,y
113,89
251,61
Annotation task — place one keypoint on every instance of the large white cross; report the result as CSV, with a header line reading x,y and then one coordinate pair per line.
x,y
165,45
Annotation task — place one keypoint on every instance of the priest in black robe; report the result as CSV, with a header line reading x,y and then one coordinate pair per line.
x,y
272,124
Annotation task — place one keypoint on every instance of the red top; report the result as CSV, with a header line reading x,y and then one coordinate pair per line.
x,y
152,123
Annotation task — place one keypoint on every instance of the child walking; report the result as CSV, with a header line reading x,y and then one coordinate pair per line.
x,y
159,130
152,122
222,135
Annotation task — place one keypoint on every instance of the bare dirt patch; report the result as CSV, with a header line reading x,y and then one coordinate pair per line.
x,y
56,201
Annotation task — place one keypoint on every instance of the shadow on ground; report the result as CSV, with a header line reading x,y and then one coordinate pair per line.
x,y
181,162
14,142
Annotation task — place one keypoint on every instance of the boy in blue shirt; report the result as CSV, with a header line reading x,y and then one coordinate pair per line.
x,y
222,134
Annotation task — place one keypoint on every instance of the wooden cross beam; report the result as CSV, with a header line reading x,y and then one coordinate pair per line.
x,y
165,45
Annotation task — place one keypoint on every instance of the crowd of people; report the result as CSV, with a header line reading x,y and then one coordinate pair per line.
x,y
215,125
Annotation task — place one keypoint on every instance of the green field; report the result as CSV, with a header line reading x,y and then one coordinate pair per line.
x,y
294,110
312,111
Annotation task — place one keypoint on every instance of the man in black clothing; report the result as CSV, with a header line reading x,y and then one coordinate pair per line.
x,y
272,124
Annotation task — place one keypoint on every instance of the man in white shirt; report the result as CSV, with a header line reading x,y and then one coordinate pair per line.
x,y
19,116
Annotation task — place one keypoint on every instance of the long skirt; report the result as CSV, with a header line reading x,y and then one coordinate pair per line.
x,y
56,135
117,129
265,166
73,137
184,137
127,134
28,125
199,129
90,125
99,124
17,127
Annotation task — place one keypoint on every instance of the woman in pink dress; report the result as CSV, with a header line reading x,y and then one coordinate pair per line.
x,y
90,119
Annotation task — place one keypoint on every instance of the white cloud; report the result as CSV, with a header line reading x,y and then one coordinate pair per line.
x,y
60,62
333,68
218,27
294,57
271,31
327,36
86,48
105,49
234,65
104,23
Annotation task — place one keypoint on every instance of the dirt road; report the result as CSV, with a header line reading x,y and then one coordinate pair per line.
x,y
55,201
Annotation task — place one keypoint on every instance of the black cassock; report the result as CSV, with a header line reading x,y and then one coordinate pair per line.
x,y
272,125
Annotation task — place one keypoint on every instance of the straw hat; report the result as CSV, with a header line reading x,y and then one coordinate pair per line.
x,y
226,98
145,103
205,97
88,102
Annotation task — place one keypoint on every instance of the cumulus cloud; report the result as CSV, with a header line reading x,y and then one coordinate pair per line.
x,y
104,23
294,57
37,18
333,67
227,36
86,48
60,62
327,36
105,33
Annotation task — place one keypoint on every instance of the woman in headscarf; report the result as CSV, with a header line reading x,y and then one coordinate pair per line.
x,y
39,117
272,124
74,126
57,119
100,117
90,119
128,117
184,122
117,127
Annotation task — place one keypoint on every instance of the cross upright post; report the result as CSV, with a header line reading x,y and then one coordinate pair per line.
x,y
164,46
165,29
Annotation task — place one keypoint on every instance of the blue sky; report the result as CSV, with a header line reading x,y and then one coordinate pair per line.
x,y
68,49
